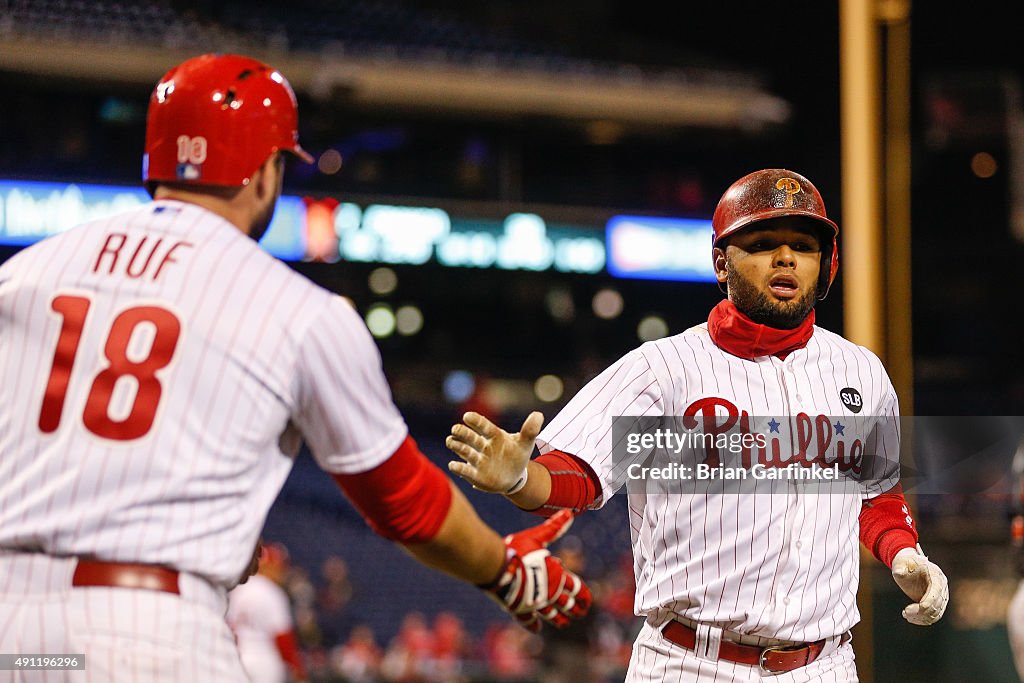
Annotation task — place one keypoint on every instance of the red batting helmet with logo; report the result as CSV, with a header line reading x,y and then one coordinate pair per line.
x,y
773,193
214,120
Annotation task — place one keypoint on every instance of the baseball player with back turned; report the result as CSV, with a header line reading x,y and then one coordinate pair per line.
x,y
158,371
260,615
737,587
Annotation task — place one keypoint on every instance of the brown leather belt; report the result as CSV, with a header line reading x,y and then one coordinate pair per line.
x,y
125,575
776,659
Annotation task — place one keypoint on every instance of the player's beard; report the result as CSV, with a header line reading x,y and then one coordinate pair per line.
x,y
262,221
759,307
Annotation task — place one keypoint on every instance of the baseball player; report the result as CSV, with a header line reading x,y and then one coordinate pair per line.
x,y
1015,609
735,587
260,615
158,371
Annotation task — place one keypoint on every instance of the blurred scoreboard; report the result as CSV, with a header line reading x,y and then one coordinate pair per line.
x,y
326,229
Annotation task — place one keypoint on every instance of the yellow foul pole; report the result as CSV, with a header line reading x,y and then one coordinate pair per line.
x,y
862,196
863,182
876,211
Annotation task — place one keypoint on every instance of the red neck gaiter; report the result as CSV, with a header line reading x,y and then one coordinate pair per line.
x,y
737,334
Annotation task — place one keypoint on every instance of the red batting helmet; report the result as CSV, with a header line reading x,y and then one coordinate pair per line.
x,y
773,193
214,120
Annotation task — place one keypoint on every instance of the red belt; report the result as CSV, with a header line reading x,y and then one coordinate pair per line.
x,y
777,659
125,575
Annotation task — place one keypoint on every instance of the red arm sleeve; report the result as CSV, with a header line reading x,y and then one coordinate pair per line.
x,y
404,499
289,650
574,485
886,526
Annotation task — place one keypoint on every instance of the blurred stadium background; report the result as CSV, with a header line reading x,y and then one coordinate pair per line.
x,y
502,189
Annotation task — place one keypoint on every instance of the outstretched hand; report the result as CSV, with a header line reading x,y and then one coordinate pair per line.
x,y
535,587
494,460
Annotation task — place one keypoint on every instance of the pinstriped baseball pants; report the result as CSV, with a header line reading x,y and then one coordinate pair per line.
x,y
127,635
656,660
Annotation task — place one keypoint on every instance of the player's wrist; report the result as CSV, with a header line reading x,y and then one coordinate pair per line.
x,y
905,552
911,551
520,483
494,584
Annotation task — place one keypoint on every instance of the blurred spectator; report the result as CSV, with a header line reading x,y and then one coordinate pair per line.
x,y
619,590
303,595
409,652
618,626
451,648
358,660
259,614
332,599
510,651
337,589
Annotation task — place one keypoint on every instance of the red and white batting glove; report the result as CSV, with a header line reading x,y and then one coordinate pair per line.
x,y
535,587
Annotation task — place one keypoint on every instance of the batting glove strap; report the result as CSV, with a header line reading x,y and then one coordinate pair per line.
x,y
520,483
536,588
522,585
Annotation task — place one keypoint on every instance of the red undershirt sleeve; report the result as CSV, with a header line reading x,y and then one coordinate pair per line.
x,y
404,499
886,525
574,485
289,651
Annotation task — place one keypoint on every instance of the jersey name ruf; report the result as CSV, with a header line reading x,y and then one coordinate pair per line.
x,y
158,371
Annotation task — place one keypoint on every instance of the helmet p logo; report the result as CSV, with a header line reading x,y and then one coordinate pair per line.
x,y
790,186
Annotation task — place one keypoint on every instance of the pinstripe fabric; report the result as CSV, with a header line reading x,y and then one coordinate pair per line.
x,y
774,561
158,371
263,354
137,636
655,660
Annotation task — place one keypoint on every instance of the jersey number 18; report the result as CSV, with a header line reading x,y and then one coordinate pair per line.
x,y
96,417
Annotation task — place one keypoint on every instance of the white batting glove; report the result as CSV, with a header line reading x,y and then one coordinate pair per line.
x,y
495,461
924,583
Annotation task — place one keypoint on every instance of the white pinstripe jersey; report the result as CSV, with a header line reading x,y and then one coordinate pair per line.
x,y
157,369
782,564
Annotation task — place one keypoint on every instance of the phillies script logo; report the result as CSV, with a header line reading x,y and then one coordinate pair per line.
x,y
815,440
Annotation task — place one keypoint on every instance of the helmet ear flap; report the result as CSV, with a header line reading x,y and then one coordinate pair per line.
x,y
829,268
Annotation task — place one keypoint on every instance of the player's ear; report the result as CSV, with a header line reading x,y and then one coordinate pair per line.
x,y
721,264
